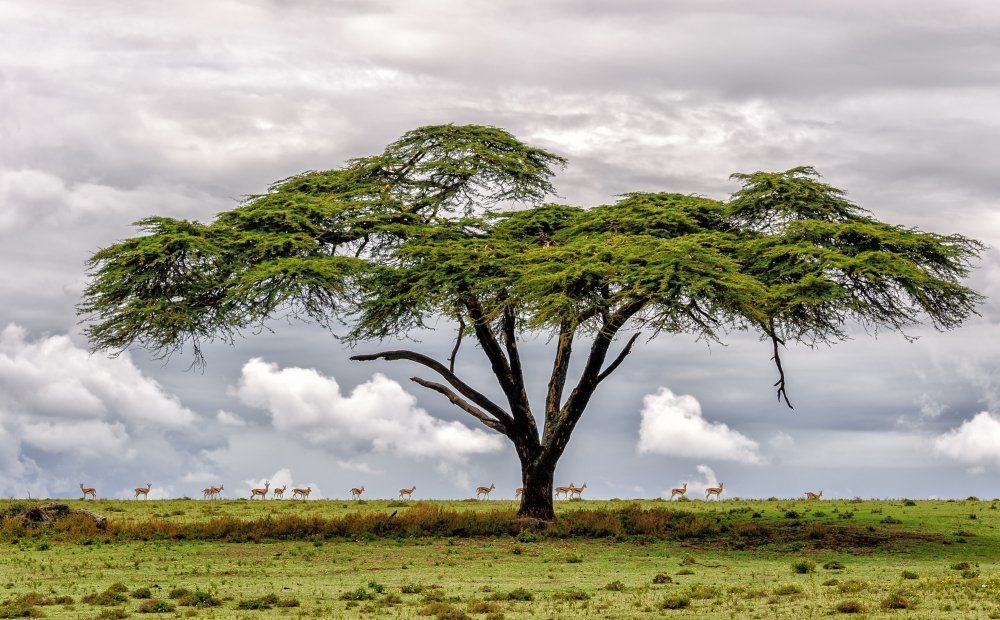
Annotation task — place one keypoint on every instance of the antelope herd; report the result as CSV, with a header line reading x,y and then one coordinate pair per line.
x,y
569,491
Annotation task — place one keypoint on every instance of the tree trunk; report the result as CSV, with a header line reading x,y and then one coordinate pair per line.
x,y
536,500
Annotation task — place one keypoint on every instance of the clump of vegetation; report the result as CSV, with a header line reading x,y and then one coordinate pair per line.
x,y
834,565
685,571
411,588
573,559
909,502
853,586
571,595
660,578
909,574
112,613
114,595
675,601
851,607
360,594
156,606
141,593
896,600
526,537
517,594
443,611
961,566
803,566
890,520
788,589
616,586
198,598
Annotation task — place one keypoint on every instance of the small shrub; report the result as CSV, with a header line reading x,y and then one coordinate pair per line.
x,y
791,514
141,593
114,595
43,546
361,594
659,578
909,574
198,598
685,571
831,582
483,607
909,502
802,567
704,592
617,586
391,599
114,613
834,565
961,566
850,607
268,601
571,595
526,537
890,520
518,594
156,606
853,586
788,589
970,574
896,600
179,593
411,588
675,601
376,586
574,559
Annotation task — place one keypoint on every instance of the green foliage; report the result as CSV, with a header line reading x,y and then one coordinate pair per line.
x,y
156,606
803,566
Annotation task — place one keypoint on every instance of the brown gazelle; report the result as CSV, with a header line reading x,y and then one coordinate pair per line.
x,y
207,492
143,491
279,491
303,491
811,495
518,492
577,491
407,492
564,490
679,491
260,491
716,491
357,491
91,491
485,490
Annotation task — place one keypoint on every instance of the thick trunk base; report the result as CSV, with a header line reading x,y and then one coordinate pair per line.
x,y
536,500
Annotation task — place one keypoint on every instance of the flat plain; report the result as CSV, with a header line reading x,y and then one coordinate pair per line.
x,y
735,558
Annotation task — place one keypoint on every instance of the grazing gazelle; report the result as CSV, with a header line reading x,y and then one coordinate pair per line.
x,y
143,491
91,491
407,492
811,495
217,491
564,490
279,491
485,490
577,491
518,492
303,491
357,491
260,491
679,491
716,491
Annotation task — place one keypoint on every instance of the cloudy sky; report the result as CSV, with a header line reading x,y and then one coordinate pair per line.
x,y
110,114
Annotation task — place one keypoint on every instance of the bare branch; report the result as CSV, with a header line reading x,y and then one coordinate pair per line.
x,y
463,388
458,343
618,360
780,383
560,367
464,405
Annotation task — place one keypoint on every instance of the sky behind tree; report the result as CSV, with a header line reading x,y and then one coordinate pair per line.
x,y
110,114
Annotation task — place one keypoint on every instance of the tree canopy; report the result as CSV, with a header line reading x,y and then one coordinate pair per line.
x,y
450,221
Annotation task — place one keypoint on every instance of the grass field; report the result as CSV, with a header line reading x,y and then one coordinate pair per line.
x,y
747,559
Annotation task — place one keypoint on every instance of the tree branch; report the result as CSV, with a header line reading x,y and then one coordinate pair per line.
x,y
458,343
521,408
780,383
464,405
463,388
618,360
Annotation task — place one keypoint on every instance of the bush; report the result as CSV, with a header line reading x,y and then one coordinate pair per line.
x,y
685,571
571,595
114,613
411,588
141,593
618,586
179,593
788,589
675,601
851,607
526,537
518,594
834,565
896,600
853,586
909,574
961,566
803,566
443,611
267,602
114,595
659,578
198,598
156,606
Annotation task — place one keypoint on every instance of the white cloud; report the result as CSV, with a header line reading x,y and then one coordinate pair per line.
x,y
781,440
673,425
227,418
975,442
378,415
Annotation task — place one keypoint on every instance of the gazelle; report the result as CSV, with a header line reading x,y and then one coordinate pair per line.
x,y
578,491
262,492
357,491
143,491
811,495
210,492
279,491
216,491
407,492
716,491
564,490
680,491
518,492
485,490
303,491
91,491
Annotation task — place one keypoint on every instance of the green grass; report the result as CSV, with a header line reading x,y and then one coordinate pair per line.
x,y
736,572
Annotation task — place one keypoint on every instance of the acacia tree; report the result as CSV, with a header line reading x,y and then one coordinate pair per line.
x,y
390,243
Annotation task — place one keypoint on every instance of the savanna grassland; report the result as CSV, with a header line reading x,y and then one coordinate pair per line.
x,y
600,559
